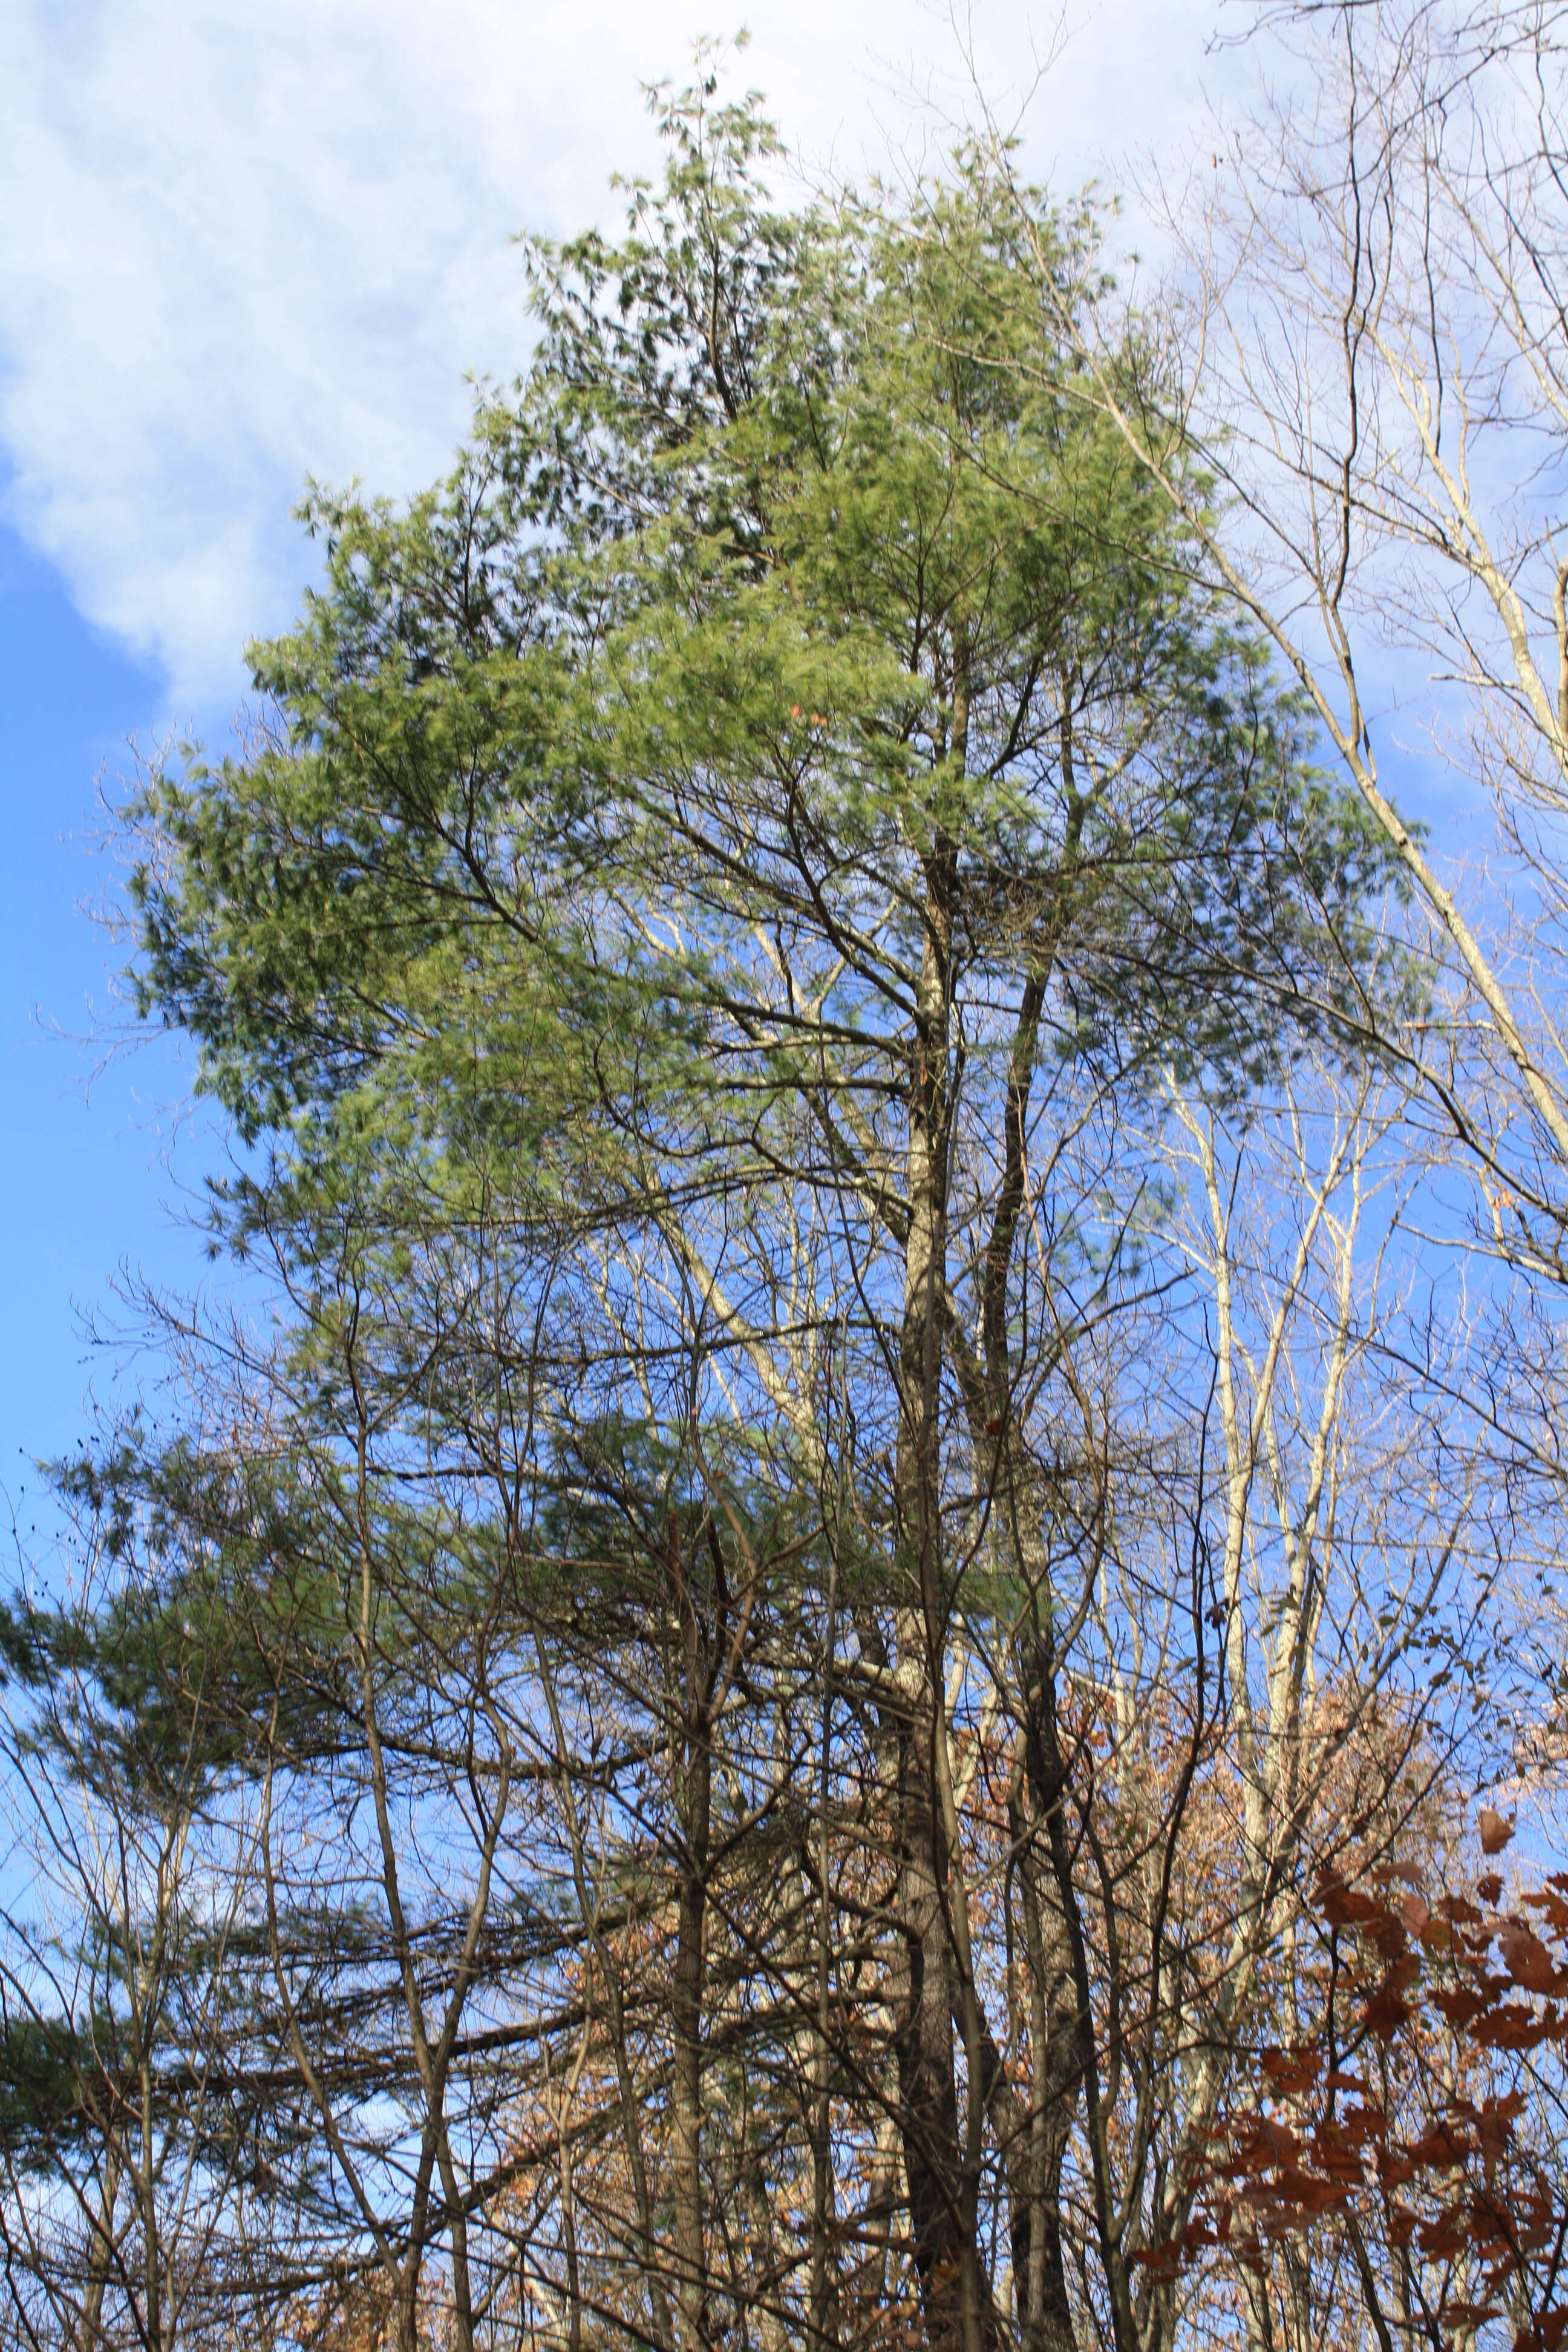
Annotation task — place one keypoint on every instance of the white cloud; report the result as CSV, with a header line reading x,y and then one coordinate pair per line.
x,y
254,239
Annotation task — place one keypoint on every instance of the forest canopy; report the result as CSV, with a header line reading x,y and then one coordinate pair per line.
x,y
842,1644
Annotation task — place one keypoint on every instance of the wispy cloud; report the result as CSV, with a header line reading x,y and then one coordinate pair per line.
x,y
250,240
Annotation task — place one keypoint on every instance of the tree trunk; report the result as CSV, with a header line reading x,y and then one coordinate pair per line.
x,y
102,2253
693,1796
941,2166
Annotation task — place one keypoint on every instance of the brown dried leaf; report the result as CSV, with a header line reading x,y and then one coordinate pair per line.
x,y
1495,1832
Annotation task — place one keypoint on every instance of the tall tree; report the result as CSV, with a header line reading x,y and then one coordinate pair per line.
x,y
770,916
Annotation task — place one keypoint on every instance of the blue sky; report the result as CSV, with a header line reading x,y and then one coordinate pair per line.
x,y
250,240
87,1177
90,1165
